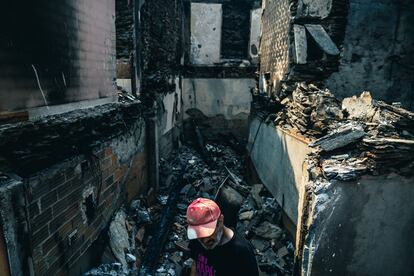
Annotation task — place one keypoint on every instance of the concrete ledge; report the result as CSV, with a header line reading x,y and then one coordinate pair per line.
x,y
278,157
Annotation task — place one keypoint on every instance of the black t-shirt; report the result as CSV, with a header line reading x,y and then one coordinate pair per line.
x,y
236,257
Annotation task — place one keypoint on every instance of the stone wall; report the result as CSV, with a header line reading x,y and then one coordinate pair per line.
x,y
53,53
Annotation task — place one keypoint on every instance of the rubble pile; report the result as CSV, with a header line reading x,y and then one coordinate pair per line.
x,y
259,218
204,181
309,110
128,239
361,135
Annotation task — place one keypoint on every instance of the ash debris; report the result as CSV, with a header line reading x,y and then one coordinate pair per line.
x,y
356,136
251,210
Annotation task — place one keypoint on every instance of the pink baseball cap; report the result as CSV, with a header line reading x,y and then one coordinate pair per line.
x,y
202,216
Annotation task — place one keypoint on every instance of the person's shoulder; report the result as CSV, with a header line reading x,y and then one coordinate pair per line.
x,y
191,244
241,242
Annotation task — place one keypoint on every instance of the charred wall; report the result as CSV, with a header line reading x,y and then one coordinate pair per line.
x,y
66,49
161,45
290,50
236,29
341,44
124,28
75,170
377,52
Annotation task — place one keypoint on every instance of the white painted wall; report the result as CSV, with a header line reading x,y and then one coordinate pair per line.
x,y
169,101
206,20
255,29
228,97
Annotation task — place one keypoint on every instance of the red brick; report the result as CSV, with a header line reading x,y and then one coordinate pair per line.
x,y
39,236
48,199
34,209
40,267
65,229
60,206
50,243
60,220
106,163
42,219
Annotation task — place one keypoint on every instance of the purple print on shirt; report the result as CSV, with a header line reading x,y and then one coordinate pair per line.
x,y
203,269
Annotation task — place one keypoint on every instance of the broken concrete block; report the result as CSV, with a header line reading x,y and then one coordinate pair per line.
x,y
118,237
301,45
231,196
260,244
359,107
246,215
256,189
322,38
268,230
282,252
130,258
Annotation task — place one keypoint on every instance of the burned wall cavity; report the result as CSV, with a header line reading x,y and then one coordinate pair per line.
x,y
161,44
124,28
54,53
236,29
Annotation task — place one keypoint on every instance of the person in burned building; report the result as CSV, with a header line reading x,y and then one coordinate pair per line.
x,y
215,248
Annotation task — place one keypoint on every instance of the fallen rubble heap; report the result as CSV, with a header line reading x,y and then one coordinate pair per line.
x,y
256,215
310,110
260,219
359,136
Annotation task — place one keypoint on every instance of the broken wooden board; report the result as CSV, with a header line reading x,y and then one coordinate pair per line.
x,y
340,138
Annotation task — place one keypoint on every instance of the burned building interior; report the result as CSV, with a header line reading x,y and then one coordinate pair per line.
x,y
295,116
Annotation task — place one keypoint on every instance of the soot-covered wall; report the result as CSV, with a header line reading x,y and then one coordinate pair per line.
x,y
236,29
377,52
161,31
124,28
65,49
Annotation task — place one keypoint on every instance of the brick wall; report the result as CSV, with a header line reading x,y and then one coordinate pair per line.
x,y
277,46
70,44
76,168
274,45
63,225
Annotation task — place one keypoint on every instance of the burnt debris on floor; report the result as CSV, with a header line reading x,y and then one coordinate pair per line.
x,y
249,209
